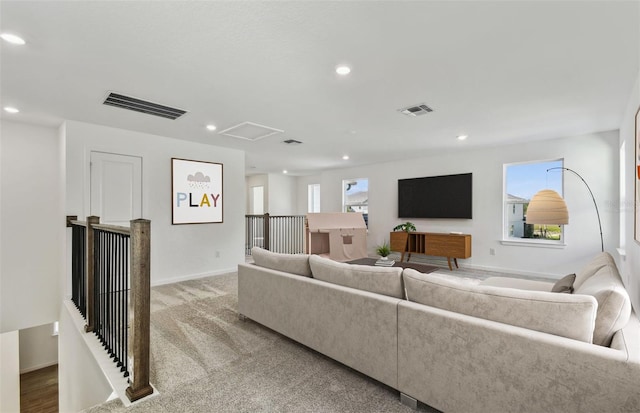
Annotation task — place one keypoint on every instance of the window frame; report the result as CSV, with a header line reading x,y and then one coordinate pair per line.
x,y
506,227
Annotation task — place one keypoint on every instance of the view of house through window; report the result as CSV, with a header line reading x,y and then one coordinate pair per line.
x,y
313,204
521,182
355,196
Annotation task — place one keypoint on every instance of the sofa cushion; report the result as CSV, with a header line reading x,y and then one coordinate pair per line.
x,y
564,315
614,304
564,284
381,280
601,260
291,263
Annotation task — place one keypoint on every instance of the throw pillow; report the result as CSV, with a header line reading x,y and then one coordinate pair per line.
x,y
564,284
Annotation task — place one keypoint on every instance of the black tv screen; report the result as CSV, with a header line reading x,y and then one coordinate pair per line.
x,y
447,196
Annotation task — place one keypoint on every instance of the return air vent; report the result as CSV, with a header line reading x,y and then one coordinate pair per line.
x,y
292,142
143,106
416,110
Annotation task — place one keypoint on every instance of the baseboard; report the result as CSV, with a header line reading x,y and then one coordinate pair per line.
x,y
38,367
193,276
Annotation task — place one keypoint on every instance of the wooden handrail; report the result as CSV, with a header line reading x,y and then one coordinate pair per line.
x,y
113,228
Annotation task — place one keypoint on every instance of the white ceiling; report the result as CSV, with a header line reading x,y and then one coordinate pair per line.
x,y
497,71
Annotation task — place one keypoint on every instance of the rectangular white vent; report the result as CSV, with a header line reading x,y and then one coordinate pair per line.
x,y
250,131
416,110
143,106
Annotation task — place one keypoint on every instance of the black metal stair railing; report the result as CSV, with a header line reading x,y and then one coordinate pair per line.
x,y
78,266
111,295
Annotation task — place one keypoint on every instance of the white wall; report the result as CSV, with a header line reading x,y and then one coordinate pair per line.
x,y
9,373
630,267
38,348
177,251
594,156
81,382
32,225
282,195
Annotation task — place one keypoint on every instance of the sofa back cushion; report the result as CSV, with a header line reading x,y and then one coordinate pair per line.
x,y
381,280
603,259
291,263
614,304
564,315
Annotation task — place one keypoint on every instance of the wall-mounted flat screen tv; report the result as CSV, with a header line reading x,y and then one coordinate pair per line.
x,y
447,196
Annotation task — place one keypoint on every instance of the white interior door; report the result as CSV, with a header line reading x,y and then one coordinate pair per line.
x,y
116,188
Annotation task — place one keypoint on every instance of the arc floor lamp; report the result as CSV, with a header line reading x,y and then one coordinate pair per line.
x,y
548,207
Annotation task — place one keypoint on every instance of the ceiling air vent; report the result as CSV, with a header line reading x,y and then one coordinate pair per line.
x,y
416,110
143,106
292,142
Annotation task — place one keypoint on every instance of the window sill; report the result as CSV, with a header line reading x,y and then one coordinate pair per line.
x,y
534,243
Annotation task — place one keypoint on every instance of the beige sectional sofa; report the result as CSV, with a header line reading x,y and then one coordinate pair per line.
x,y
504,345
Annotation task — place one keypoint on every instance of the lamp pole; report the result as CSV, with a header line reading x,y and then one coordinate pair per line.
x,y
592,197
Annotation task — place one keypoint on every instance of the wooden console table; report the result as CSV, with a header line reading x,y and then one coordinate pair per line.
x,y
430,243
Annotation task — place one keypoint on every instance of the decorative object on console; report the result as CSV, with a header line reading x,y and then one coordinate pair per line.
x,y
406,227
548,207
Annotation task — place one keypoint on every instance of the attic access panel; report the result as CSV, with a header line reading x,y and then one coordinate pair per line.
x,y
250,131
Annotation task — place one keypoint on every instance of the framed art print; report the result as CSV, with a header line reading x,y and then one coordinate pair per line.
x,y
196,192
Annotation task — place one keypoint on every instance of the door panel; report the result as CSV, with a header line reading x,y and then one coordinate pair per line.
x,y
116,188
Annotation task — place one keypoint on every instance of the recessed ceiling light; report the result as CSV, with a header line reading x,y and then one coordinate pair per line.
x,y
343,70
345,157
10,109
285,171
12,38
462,137
211,127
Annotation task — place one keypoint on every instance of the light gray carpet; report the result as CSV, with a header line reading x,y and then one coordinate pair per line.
x,y
204,359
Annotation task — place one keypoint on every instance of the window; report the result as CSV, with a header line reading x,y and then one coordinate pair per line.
x,y
355,196
521,182
313,192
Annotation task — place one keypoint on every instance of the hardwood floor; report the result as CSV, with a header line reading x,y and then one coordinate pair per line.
x,y
39,390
